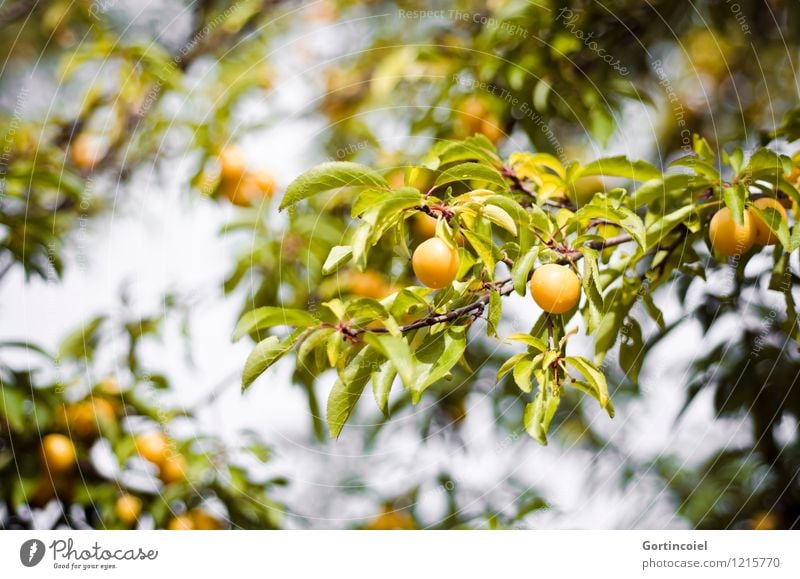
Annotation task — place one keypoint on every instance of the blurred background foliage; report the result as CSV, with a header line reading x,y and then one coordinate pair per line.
x,y
100,96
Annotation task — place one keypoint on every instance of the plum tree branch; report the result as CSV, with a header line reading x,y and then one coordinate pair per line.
x,y
504,287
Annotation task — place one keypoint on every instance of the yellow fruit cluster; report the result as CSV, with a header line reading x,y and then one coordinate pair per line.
x,y
241,186
155,447
732,239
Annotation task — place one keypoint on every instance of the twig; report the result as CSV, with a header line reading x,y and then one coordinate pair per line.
x,y
504,287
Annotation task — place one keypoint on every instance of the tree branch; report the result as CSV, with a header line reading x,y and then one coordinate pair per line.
x,y
505,287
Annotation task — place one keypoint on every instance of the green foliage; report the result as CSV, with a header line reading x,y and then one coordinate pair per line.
x,y
201,477
510,215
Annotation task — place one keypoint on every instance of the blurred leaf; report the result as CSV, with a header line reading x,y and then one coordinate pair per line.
x,y
329,176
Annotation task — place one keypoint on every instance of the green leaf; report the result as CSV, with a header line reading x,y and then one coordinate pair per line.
x,y
315,340
620,166
532,419
337,257
396,349
80,344
773,219
539,413
382,385
794,241
586,388
329,176
603,208
660,189
593,375
495,312
348,389
270,316
472,172
531,341
264,355
592,289
483,247
436,355
389,211
522,269
702,148
522,374
661,228
509,365
631,350
734,198
477,148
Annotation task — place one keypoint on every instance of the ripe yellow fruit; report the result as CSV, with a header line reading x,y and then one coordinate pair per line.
x,y
233,163
109,385
764,234
128,509
368,284
85,418
181,523
728,237
435,263
491,129
764,521
555,288
153,446
424,225
264,182
85,152
58,453
173,469
205,521
471,114
391,520
250,187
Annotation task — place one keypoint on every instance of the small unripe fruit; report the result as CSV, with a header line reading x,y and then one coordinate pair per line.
x,y
233,163
173,469
58,453
728,237
435,263
764,234
85,418
153,446
128,509
555,288
181,523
